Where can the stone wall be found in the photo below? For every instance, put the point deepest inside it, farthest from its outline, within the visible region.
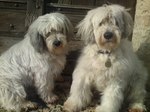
(141, 37)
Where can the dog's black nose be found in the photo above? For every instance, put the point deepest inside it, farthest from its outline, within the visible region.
(57, 43)
(108, 35)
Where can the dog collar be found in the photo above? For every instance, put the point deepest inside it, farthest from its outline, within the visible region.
(108, 61)
(103, 52)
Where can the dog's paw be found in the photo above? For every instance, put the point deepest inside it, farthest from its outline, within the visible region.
(137, 108)
(102, 109)
(66, 110)
(30, 106)
(68, 107)
(51, 99)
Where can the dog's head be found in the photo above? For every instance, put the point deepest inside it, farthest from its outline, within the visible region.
(106, 26)
(50, 32)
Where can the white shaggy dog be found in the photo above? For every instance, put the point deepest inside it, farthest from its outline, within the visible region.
(107, 63)
(35, 61)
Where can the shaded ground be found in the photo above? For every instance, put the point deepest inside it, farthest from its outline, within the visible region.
(62, 90)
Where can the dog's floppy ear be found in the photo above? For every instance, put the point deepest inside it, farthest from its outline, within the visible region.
(85, 29)
(37, 41)
(128, 24)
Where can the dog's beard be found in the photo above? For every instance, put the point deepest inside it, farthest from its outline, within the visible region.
(108, 44)
(60, 50)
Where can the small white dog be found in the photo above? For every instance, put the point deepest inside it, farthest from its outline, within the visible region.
(107, 63)
(35, 61)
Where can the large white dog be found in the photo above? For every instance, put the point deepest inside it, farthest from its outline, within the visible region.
(107, 63)
(35, 61)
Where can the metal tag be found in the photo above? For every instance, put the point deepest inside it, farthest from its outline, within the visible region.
(108, 63)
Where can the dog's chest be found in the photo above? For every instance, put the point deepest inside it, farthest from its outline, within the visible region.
(100, 62)
(101, 73)
(48, 65)
(102, 79)
(103, 76)
(56, 65)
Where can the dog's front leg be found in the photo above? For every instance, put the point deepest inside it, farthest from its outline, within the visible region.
(45, 85)
(80, 95)
(112, 99)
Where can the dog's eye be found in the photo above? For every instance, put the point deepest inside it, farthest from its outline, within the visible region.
(48, 34)
(100, 24)
(117, 23)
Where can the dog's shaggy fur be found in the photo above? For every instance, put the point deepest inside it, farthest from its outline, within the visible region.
(35, 61)
(107, 63)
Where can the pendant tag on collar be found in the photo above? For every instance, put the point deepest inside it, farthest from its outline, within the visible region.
(108, 63)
